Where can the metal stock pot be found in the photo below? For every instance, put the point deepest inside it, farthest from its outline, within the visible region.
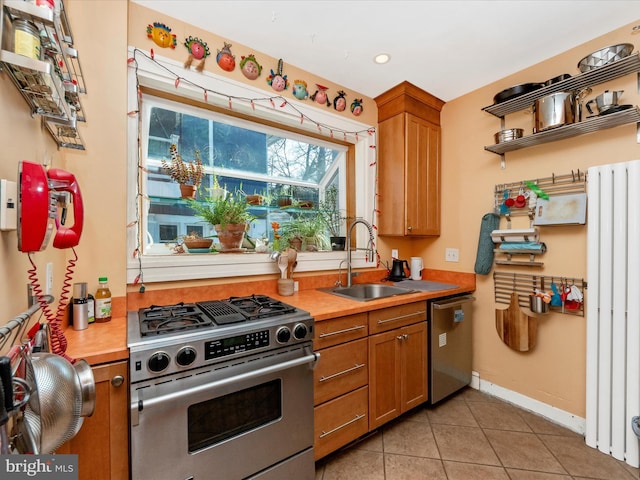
(554, 111)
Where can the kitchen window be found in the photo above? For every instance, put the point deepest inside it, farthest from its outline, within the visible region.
(238, 156)
(246, 148)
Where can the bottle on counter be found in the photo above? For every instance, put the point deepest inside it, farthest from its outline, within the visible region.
(91, 308)
(103, 302)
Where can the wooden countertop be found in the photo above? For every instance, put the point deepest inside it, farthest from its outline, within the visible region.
(107, 342)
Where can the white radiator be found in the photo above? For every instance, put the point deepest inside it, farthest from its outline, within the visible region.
(613, 309)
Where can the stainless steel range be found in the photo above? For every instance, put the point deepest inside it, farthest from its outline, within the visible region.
(222, 389)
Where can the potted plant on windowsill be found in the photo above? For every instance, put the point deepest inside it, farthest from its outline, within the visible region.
(188, 174)
(228, 215)
(332, 218)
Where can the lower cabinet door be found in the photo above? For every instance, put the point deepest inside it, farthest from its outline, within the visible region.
(340, 421)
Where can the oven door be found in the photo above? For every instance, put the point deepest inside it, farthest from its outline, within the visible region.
(230, 421)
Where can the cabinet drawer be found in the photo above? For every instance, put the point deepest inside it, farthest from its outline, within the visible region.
(340, 330)
(398, 316)
(340, 421)
(341, 369)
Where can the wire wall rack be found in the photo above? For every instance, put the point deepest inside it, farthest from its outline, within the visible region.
(565, 184)
(505, 283)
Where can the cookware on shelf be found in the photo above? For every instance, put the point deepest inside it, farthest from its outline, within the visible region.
(516, 91)
(558, 109)
(605, 101)
(557, 79)
(509, 134)
(605, 56)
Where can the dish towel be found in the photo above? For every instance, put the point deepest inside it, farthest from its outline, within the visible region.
(484, 256)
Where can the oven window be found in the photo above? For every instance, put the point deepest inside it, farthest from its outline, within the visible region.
(219, 419)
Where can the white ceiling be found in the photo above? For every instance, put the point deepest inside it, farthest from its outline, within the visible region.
(447, 48)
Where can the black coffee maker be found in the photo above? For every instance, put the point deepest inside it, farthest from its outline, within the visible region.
(397, 271)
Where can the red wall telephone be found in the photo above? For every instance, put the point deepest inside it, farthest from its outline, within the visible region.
(37, 208)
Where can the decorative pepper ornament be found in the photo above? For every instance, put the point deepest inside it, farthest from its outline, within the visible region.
(340, 102)
(278, 81)
(320, 95)
(356, 107)
(198, 50)
(225, 58)
(161, 35)
(299, 89)
(250, 67)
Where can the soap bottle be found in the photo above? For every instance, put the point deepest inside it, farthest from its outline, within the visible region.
(103, 302)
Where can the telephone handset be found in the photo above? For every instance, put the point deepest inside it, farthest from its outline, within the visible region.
(67, 237)
(37, 208)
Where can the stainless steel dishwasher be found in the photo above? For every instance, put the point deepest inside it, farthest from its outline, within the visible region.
(450, 348)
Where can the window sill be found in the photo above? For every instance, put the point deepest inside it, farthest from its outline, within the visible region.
(178, 267)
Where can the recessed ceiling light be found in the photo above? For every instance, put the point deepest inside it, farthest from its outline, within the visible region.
(382, 58)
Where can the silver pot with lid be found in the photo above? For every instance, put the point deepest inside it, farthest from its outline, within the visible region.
(557, 109)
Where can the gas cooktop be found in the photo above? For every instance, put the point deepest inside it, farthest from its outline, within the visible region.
(163, 319)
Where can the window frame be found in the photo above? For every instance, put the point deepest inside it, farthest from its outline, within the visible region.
(156, 75)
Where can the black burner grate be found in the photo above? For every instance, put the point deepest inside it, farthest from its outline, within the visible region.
(221, 312)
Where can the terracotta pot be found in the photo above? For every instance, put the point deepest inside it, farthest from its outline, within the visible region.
(199, 243)
(231, 236)
(296, 243)
(254, 199)
(187, 191)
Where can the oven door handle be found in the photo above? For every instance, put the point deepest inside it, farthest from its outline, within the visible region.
(138, 404)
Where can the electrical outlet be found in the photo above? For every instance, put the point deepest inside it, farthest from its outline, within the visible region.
(394, 253)
(49, 282)
(451, 255)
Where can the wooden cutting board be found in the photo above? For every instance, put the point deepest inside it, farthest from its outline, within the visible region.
(516, 329)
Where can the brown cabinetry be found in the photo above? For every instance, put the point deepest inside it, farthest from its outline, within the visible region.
(102, 444)
(409, 162)
(397, 372)
(372, 368)
(340, 382)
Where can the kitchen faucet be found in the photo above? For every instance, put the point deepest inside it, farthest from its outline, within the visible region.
(369, 249)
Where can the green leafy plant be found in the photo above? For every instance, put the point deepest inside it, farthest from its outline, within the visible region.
(185, 173)
(231, 209)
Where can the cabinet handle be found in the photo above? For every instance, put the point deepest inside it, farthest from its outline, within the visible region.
(337, 332)
(355, 367)
(393, 319)
(405, 336)
(399, 337)
(117, 380)
(409, 228)
(355, 419)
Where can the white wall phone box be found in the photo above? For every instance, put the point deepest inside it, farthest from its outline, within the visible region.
(8, 205)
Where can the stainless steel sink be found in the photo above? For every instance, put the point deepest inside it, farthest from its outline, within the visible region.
(363, 292)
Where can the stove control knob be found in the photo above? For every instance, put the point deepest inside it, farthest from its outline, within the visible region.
(186, 356)
(283, 335)
(300, 331)
(158, 362)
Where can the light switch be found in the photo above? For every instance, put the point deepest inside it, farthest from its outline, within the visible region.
(8, 205)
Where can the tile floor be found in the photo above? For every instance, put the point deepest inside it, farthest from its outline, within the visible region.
(472, 436)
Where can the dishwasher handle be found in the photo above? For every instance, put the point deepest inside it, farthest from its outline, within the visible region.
(452, 302)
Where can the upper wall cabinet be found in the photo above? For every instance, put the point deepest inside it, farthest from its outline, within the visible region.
(38, 55)
(408, 162)
(611, 71)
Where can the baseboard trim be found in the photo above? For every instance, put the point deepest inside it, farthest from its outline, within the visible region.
(553, 414)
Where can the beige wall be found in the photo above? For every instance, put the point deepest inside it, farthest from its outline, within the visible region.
(553, 373)
(100, 170)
